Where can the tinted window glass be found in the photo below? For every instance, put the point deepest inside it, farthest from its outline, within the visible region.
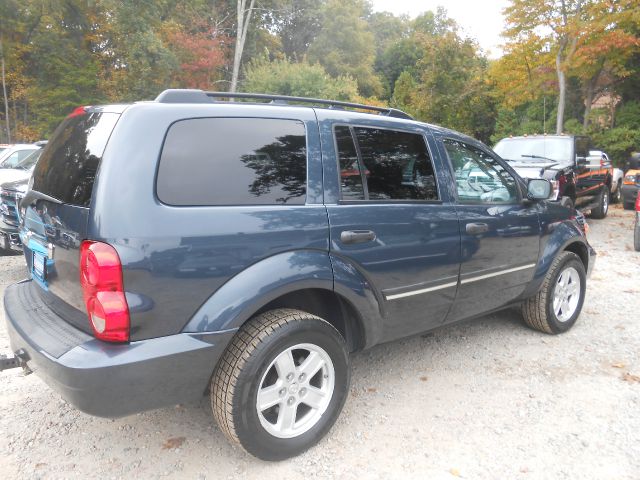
(68, 164)
(479, 177)
(233, 161)
(350, 177)
(397, 165)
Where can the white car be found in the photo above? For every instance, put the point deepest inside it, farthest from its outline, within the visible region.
(599, 159)
(21, 169)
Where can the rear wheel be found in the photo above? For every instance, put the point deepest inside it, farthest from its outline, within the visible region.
(567, 202)
(603, 204)
(281, 383)
(556, 307)
(616, 196)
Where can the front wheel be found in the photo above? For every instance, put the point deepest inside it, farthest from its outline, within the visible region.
(556, 307)
(603, 204)
(281, 383)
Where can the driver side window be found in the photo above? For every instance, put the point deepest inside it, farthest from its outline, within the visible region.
(479, 177)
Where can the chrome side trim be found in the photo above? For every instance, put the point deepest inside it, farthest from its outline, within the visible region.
(495, 274)
(422, 290)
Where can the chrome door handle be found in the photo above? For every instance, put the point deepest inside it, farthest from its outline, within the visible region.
(357, 236)
(476, 228)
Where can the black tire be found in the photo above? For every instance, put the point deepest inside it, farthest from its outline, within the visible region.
(248, 359)
(538, 310)
(616, 197)
(603, 204)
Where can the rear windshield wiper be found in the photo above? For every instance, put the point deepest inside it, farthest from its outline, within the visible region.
(35, 195)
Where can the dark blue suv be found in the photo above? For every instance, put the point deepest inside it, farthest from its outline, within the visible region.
(191, 244)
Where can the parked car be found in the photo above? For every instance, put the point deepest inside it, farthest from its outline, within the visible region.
(13, 155)
(562, 159)
(221, 250)
(22, 170)
(636, 228)
(596, 160)
(10, 195)
(630, 187)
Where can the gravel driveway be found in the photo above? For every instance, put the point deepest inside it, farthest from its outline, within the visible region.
(488, 399)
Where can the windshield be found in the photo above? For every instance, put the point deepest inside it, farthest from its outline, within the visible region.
(29, 162)
(536, 149)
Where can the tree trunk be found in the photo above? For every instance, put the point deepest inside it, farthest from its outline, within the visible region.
(4, 91)
(562, 90)
(244, 18)
(588, 101)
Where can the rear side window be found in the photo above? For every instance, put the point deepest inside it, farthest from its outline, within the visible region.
(350, 175)
(67, 167)
(396, 165)
(233, 161)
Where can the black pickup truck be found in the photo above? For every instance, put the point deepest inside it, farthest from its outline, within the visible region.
(561, 159)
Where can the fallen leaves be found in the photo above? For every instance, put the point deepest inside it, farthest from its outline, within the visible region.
(172, 443)
(618, 365)
(424, 378)
(455, 472)
(628, 377)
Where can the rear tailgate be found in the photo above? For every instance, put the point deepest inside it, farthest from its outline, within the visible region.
(56, 208)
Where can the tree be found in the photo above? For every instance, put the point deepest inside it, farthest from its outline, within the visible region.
(346, 46)
(244, 10)
(285, 77)
(561, 23)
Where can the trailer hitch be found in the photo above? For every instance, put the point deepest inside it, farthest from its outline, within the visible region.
(19, 361)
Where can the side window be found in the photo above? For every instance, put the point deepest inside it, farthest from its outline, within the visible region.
(12, 160)
(350, 177)
(479, 177)
(233, 161)
(396, 164)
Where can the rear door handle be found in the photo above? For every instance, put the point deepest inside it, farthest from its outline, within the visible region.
(357, 236)
(476, 228)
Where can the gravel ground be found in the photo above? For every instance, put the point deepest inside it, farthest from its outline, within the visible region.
(488, 399)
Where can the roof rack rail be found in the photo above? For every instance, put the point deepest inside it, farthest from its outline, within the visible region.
(200, 96)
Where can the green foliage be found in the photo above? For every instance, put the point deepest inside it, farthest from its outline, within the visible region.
(628, 115)
(618, 142)
(345, 45)
(297, 79)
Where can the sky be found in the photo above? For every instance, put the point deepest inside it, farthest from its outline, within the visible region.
(479, 19)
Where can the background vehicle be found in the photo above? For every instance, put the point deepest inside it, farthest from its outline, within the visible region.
(13, 155)
(561, 159)
(301, 265)
(21, 170)
(636, 228)
(10, 195)
(630, 188)
(598, 159)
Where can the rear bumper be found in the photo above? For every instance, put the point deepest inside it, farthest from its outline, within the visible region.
(110, 380)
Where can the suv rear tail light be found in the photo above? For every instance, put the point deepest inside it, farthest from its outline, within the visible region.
(638, 202)
(103, 291)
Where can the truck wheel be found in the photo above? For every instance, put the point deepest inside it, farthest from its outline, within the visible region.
(556, 307)
(281, 383)
(603, 204)
(616, 196)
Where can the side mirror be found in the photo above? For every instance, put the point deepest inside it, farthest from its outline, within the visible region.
(538, 189)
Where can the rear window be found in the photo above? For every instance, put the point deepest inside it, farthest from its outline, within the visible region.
(233, 161)
(67, 167)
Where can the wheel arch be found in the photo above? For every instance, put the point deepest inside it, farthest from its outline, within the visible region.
(307, 280)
